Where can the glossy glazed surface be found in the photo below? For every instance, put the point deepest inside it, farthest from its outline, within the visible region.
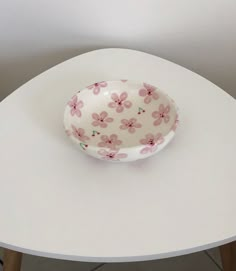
(120, 120)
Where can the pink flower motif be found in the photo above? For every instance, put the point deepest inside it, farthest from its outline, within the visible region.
(101, 119)
(75, 106)
(149, 92)
(79, 133)
(175, 124)
(130, 124)
(119, 102)
(151, 141)
(112, 155)
(123, 81)
(109, 141)
(162, 114)
(96, 87)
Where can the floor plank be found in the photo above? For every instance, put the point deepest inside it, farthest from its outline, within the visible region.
(194, 262)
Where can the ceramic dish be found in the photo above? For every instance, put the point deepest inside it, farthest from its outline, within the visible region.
(121, 120)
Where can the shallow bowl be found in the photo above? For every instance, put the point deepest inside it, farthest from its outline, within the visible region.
(121, 120)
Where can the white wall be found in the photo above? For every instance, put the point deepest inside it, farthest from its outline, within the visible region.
(198, 34)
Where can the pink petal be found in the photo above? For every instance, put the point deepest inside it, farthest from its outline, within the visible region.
(96, 90)
(74, 99)
(81, 131)
(133, 120)
(166, 119)
(103, 84)
(95, 116)
(112, 105)
(157, 122)
(72, 111)
(95, 123)
(137, 125)
(109, 120)
(143, 92)
(103, 124)
(123, 127)
(102, 144)
(167, 109)
(71, 103)
(103, 152)
(78, 113)
(155, 96)
(131, 130)
(143, 141)
(145, 150)
(121, 155)
(104, 138)
(123, 96)
(155, 114)
(147, 99)
(80, 104)
(124, 121)
(111, 146)
(113, 137)
(103, 114)
(117, 142)
(119, 109)
(150, 87)
(90, 87)
(161, 108)
(114, 97)
(146, 85)
(127, 104)
(113, 152)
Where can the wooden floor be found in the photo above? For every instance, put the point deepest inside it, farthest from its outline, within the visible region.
(209, 261)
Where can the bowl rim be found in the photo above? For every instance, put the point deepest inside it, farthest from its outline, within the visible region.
(170, 134)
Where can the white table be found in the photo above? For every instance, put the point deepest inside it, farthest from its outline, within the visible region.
(59, 203)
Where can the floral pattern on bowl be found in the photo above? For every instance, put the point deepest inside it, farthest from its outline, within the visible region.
(121, 120)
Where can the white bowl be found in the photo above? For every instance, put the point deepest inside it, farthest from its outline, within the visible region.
(121, 120)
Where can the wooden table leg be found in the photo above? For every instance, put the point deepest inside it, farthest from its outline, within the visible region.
(11, 260)
(228, 256)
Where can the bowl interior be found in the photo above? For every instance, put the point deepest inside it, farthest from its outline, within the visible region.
(123, 112)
